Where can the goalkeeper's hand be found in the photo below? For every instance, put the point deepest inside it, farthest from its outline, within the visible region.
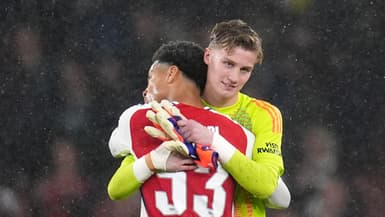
(164, 116)
(202, 155)
(163, 159)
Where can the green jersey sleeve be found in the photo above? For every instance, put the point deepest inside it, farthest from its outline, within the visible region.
(124, 182)
(258, 175)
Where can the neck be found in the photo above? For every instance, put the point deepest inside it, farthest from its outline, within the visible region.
(196, 102)
(188, 98)
(187, 94)
(217, 100)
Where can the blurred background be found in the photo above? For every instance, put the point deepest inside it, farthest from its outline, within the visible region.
(69, 68)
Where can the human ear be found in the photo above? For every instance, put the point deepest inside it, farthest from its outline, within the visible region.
(172, 72)
(206, 55)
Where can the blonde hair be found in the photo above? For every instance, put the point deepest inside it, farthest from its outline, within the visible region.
(236, 33)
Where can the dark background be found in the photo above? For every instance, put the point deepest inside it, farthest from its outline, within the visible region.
(69, 68)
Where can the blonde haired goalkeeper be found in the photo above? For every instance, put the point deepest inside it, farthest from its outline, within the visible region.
(233, 51)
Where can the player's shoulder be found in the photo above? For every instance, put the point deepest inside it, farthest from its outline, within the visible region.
(203, 113)
(224, 119)
(217, 113)
(259, 105)
(130, 111)
(265, 112)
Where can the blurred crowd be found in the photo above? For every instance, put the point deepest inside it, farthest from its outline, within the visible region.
(69, 68)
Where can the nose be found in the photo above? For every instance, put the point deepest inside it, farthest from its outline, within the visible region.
(144, 94)
(233, 76)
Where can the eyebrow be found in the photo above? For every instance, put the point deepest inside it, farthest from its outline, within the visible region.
(249, 68)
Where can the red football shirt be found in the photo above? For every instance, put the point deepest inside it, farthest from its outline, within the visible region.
(202, 192)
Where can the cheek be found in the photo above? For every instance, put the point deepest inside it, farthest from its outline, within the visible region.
(216, 71)
(219, 67)
(244, 78)
(212, 77)
(154, 92)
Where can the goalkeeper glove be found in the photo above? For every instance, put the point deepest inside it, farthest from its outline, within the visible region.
(164, 116)
(206, 156)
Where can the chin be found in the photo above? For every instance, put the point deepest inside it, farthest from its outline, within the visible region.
(229, 93)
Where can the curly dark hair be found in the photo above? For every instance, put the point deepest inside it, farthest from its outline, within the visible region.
(187, 56)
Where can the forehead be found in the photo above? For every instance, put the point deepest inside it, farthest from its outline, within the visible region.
(153, 66)
(156, 66)
(238, 55)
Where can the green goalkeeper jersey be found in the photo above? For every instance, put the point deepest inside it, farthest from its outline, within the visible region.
(257, 179)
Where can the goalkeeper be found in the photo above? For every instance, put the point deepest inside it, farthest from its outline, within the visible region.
(233, 51)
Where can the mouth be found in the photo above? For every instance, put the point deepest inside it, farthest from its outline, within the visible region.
(148, 98)
(228, 86)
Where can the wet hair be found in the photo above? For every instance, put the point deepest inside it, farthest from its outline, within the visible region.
(187, 56)
(236, 33)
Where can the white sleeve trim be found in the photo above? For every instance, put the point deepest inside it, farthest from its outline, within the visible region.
(118, 147)
(141, 170)
(280, 198)
(224, 148)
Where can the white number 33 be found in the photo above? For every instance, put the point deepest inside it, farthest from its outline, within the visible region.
(200, 202)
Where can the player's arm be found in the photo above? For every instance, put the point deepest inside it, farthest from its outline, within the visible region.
(244, 169)
(260, 174)
(124, 181)
(120, 140)
(258, 178)
(132, 173)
